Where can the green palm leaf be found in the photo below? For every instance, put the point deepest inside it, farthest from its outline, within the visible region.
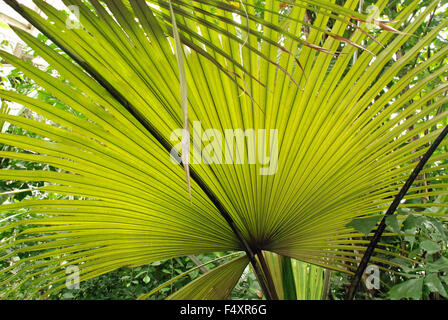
(341, 154)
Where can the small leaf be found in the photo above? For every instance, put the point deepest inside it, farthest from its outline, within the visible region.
(433, 283)
(68, 295)
(412, 222)
(364, 225)
(439, 227)
(409, 289)
(444, 279)
(409, 238)
(392, 223)
(440, 264)
(430, 246)
(146, 279)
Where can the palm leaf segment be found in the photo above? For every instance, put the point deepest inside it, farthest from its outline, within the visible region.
(341, 154)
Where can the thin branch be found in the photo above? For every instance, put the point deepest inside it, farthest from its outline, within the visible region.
(382, 226)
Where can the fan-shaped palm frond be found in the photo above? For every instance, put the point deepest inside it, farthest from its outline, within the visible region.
(329, 144)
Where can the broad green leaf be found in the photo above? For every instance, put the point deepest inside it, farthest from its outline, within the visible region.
(444, 279)
(364, 225)
(442, 230)
(409, 289)
(429, 246)
(413, 222)
(441, 264)
(392, 223)
(434, 284)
